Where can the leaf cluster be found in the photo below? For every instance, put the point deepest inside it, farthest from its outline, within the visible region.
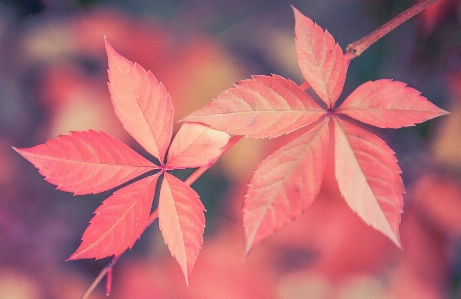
(283, 186)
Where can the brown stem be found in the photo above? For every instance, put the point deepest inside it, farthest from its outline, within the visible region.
(100, 276)
(108, 268)
(356, 48)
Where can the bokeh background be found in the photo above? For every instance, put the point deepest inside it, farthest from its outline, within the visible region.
(53, 80)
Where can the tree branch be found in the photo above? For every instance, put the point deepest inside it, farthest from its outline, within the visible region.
(356, 48)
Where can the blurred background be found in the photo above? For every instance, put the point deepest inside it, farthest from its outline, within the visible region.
(53, 80)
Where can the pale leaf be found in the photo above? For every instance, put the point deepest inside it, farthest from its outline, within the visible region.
(196, 145)
(181, 221)
(320, 59)
(388, 104)
(141, 103)
(285, 184)
(369, 178)
(260, 108)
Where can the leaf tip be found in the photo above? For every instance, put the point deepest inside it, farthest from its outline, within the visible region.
(107, 45)
(187, 280)
(246, 252)
(18, 150)
(80, 253)
(444, 112)
(26, 153)
(396, 240)
(73, 257)
(249, 243)
(295, 10)
(109, 49)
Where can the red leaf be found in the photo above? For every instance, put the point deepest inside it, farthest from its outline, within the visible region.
(369, 178)
(119, 221)
(388, 104)
(260, 108)
(86, 162)
(196, 145)
(181, 221)
(320, 59)
(285, 184)
(366, 168)
(141, 103)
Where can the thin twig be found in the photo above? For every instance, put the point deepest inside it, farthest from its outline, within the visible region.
(356, 48)
(100, 276)
(109, 280)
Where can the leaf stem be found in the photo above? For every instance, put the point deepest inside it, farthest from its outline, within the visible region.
(356, 48)
(108, 268)
(109, 281)
(100, 276)
(304, 85)
(196, 174)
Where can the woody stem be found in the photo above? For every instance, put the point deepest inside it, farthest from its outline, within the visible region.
(356, 48)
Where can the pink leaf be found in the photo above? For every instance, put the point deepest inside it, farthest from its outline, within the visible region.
(119, 221)
(369, 178)
(196, 145)
(86, 162)
(388, 104)
(141, 103)
(320, 59)
(285, 184)
(181, 221)
(260, 108)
